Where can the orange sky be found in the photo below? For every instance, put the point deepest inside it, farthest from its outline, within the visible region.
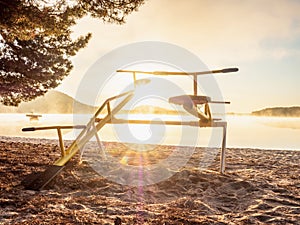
(262, 38)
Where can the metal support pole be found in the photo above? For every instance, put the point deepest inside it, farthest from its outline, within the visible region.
(108, 108)
(61, 142)
(195, 84)
(134, 79)
(223, 152)
(207, 111)
(99, 142)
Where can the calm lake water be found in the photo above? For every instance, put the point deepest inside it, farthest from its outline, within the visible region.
(243, 131)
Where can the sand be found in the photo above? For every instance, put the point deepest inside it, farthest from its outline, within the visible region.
(259, 187)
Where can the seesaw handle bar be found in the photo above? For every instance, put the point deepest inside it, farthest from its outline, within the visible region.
(53, 127)
(166, 73)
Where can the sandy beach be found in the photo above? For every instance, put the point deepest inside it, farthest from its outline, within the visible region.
(259, 187)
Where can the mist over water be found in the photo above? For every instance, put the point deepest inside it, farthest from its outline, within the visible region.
(243, 131)
(264, 132)
(12, 124)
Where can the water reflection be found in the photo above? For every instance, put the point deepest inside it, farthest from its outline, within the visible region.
(243, 131)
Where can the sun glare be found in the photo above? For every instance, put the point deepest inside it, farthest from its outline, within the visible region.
(121, 82)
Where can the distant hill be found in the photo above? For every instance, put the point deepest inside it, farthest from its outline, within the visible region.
(293, 111)
(52, 102)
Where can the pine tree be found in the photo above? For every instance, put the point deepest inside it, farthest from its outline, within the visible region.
(36, 43)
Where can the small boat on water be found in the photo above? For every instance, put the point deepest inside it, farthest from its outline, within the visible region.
(33, 116)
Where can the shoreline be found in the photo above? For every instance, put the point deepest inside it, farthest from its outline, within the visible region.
(243, 131)
(55, 141)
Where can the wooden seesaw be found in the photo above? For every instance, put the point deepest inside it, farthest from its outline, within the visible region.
(37, 181)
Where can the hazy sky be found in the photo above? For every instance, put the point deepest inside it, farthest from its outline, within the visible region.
(260, 37)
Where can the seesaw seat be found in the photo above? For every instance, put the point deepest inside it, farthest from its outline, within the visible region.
(188, 99)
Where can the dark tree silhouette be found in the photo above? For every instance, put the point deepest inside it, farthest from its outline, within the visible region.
(35, 42)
